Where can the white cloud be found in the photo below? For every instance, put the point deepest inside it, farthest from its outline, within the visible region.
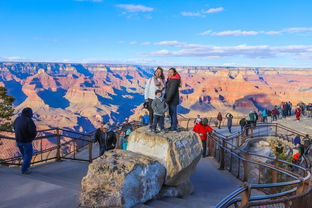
(135, 8)
(208, 51)
(253, 33)
(236, 33)
(191, 14)
(202, 13)
(133, 42)
(214, 10)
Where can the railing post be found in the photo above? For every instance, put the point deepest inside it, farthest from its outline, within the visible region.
(222, 162)
(209, 144)
(90, 148)
(251, 132)
(58, 142)
(245, 196)
(245, 164)
(300, 186)
(276, 129)
(275, 173)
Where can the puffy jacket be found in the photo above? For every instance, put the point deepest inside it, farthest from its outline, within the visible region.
(201, 129)
(24, 127)
(105, 139)
(172, 90)
(159, 107)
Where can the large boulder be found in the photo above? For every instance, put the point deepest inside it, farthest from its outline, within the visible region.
(178, 152)
(121, 179)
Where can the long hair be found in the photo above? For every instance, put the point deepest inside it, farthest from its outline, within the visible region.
(174, 70)
(162, 76)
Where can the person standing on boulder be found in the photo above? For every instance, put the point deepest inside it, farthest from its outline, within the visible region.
(202, 128)
(25, 132)
(154, 83)
(105, 138)
(160, 107)
(172, 96)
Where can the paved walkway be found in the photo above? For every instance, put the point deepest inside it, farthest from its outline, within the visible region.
(57, 184)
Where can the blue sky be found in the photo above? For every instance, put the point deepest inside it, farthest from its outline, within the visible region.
(158, 32)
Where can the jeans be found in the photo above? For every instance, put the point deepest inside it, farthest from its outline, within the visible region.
(204, 142)
(102, 150)
(151, 112)
(160, 120)
(173, 117)
(26, 150)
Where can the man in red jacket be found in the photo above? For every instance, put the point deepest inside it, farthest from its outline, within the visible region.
(202, 129)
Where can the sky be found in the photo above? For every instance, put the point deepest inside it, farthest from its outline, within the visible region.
(256, 33)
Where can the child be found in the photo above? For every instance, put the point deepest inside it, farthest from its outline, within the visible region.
(159, 107)
(202, 129)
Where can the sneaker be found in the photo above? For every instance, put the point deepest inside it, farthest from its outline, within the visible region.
(162, 131)
(27, 172)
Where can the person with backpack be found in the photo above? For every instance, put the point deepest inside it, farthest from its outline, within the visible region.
(202, 128)
(160, 107)
(105, 138)
(25, 132)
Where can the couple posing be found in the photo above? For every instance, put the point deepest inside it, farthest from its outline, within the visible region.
(162, 95)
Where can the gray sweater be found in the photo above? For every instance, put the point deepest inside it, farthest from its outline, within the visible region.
(159, 107)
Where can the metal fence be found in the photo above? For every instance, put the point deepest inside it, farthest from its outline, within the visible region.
(279, 183)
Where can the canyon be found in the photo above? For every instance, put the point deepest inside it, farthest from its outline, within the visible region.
(79, 96)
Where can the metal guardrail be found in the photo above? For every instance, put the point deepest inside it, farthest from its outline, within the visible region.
(225, 150)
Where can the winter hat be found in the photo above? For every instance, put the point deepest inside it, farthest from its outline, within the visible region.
(27, 112)
(205, 121)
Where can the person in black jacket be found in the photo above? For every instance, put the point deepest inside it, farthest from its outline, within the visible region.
(172, 96)
(105, 138)
(25, 133)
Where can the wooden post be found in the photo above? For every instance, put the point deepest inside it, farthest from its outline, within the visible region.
(222, 162)
(245, 164)
(300, 187)
(275, 174)
(90, 148)
(245, 196)
(58, 150)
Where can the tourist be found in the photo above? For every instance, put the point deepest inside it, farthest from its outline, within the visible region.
(264, 115)
(202, 128)
(243, 123)
(105, 138)
(297, 141)
(159, 107)
(229, 118)
(145, 119)
(25, 132)
(256, 118)
(274, 114)
(296, 156)
(298, 113)
(156, 82)
(172, 96)
(197, 120)
(219, 118)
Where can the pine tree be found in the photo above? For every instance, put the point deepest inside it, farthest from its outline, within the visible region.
(6, 110)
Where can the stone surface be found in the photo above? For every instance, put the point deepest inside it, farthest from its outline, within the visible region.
(181, 190)
(178, 152)
(121, 179)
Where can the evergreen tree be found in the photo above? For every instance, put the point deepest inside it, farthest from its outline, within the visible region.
(6, 110)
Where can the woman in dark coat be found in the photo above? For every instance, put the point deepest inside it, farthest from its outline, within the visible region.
(172, 96)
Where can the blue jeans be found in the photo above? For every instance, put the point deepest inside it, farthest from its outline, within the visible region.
(158, 120)
(102, 150)
(204, 142)
(173, 117)
(26, 150)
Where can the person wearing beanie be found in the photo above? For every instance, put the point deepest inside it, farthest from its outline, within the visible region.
(105, 138)
(25, 132)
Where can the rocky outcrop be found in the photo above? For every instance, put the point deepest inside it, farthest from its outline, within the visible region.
(121, 179)
(179, 152)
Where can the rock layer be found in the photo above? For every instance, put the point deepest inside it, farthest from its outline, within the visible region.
(121, 179)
